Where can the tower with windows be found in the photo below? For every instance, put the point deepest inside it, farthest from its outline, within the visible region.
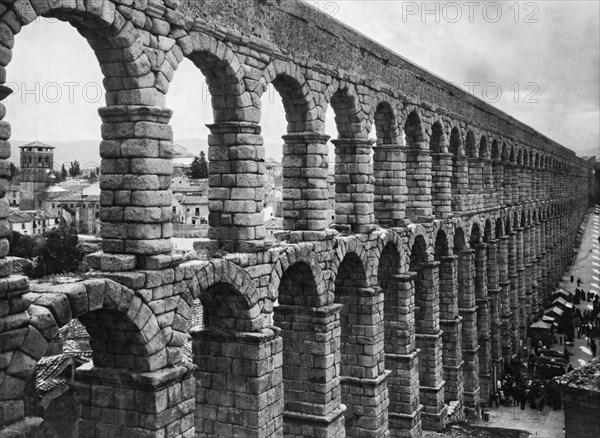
(37, 161)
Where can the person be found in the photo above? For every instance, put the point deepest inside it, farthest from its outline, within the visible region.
(569, 368)
(593, 347)
(579, 282)
(572, 277)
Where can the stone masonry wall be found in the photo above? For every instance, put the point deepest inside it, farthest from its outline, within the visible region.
(352, 350)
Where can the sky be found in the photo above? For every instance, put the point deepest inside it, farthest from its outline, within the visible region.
(537, 61)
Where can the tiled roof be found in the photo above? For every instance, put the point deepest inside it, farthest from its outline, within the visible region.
(49, 370)
(192, 200)
(36, 144)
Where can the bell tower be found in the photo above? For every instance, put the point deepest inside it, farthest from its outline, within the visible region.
(37, 162)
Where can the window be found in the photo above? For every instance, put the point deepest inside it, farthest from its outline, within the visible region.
(174, 209)
(22, 226)
(197, 210)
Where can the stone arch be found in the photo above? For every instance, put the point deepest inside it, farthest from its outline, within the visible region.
(385, 238)
(484, 150)
(345, 246)
(291, 257)
(441, 247)
(386, 122)
(414, 131)
(496, 151)
(228, 295)
(124, 331)
(488, 232)
(224, 76)
(349, 117)
(499, 230)
(437, 142)
(297, 97)
(470, 145)
(475, 235)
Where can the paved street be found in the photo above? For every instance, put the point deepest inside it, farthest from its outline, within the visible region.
(550, 423)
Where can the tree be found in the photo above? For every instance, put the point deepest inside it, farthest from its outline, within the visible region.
(63, 173)
(199, 167)
(14, 170)
(74, 170)
(58, 254)
(21, 245)
(203, 165)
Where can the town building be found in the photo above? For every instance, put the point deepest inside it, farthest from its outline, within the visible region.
(37, 161)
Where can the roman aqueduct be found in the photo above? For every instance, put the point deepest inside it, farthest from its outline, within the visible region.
(451, 229)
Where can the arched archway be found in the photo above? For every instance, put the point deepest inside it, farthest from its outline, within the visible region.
(459, 182)
(418, 167)
(428, 335)
(362, 358)
(305, 166)
(353, 183)
(310, 355)
(450, 322)
(441, 172)
(467, 310)
(389, 162)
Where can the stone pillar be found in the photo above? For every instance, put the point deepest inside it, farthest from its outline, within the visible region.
(354, 184)
(21, 345)
(522, 185)
(513, 278)
(488, 182)
(239, 383)
(483, 322)
(505, 309)
(521, 284)
(235, 199)
(118, 402)
(389, 168)
(364, 379)
(305, 185)
(429, 344)
(468, 311)
(311, 362)
(135, 178)
(441, 191)
(528, 251)
(401, 356)
(476, 183)
(499, 188)
(5, 227)
(540, 251)
(514, 169)
(418, 181)
(493, 288)
(461, 183)
(451, 325)
(508, 184)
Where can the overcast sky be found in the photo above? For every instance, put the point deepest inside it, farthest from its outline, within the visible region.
(538, 61)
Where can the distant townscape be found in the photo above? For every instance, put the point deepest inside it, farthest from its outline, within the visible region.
(43, 195)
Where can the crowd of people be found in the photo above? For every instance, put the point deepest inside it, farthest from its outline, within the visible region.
(523, 389)
(587, 323)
